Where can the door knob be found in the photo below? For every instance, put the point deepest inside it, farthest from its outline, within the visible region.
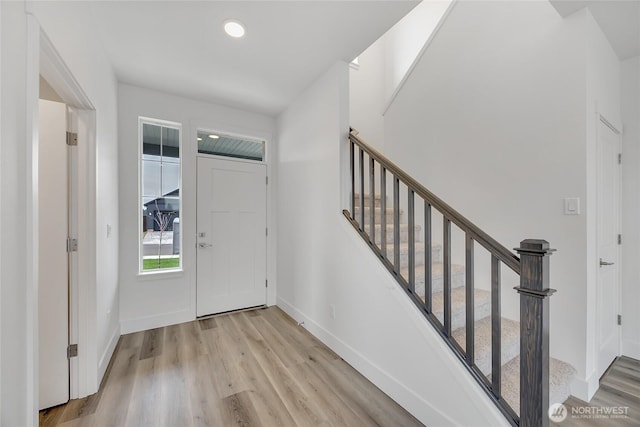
(204, 245)
(605, 263)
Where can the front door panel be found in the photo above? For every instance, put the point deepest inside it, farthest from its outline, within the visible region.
(231, 243)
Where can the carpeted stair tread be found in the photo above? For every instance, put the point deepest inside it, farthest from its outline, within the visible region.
(482, 305)
(377, 213)
(560, 376)
(404, 232)
(457, 277)
(367, 200)
(419, 253)
(482, 344)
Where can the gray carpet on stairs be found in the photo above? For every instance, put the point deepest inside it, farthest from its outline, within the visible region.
(482, 306)
(560, 375)
(482, 339)
(457, 277)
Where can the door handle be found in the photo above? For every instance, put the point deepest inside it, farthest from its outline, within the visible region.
(605, 263)
(204, 245)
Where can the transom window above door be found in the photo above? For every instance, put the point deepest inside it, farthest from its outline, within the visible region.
(219, 144)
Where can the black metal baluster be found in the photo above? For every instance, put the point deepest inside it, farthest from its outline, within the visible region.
(412, 241)
(353, 178)
(428, 257)
(446, 225)
(372, 197)
(361, 195)
(469, 302)
(396, 224)
(383, 208)
(496, 327)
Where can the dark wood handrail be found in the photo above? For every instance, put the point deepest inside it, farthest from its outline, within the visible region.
(494, 247)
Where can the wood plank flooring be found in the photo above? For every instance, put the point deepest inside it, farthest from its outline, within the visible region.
(255, 368)
(619, 388)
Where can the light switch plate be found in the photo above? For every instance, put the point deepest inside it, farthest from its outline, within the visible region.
(572, 206)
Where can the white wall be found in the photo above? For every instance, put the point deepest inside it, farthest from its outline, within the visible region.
(406, 39)
(13, 249)
(93, 72)
(323, 262)
(631, 207)
(384, 65)
(508, 108)
(366, 94)
(154, 300)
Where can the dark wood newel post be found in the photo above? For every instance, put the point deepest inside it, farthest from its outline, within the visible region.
(534, 332)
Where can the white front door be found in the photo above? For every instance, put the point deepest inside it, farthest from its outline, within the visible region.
(231, 241)
(608, 293)
(53, 282)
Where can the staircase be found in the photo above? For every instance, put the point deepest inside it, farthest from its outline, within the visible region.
(450, 294)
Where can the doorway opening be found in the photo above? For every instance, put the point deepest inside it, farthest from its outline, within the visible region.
(55, 196)
(45, 63)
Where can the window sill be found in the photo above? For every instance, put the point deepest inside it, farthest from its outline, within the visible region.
(163, 274)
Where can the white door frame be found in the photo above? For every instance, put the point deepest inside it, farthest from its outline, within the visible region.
(43, 59)
(602, 119)
(190, 180)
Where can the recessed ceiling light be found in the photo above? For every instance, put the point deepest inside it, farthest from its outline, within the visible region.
(234, 28)
(214, 136)
(199, 139)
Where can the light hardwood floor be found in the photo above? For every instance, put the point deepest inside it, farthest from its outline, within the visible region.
(619, 388)
(254, 368)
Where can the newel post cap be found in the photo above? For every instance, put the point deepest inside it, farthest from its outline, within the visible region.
(535, 247)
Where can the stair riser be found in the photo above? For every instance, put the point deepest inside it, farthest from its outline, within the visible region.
(377, 216)
(510, 349)
(509, 342)
(560, 378)
(459, 317)
(419, 254)
(404, 234)
(367, 201)
(457, 280)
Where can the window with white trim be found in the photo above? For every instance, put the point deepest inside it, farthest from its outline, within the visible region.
(160, 198)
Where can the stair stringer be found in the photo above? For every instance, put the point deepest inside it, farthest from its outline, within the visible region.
(405, 356)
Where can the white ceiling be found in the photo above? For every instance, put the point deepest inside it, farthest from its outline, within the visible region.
(179, 46)
(619, 20)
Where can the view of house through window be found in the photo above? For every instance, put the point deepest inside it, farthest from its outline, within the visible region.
(160, 195)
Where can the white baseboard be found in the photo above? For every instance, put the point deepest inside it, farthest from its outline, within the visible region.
(108, 353)
(411, 401)
(631, 349)
(584, 389)
(156, 321)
